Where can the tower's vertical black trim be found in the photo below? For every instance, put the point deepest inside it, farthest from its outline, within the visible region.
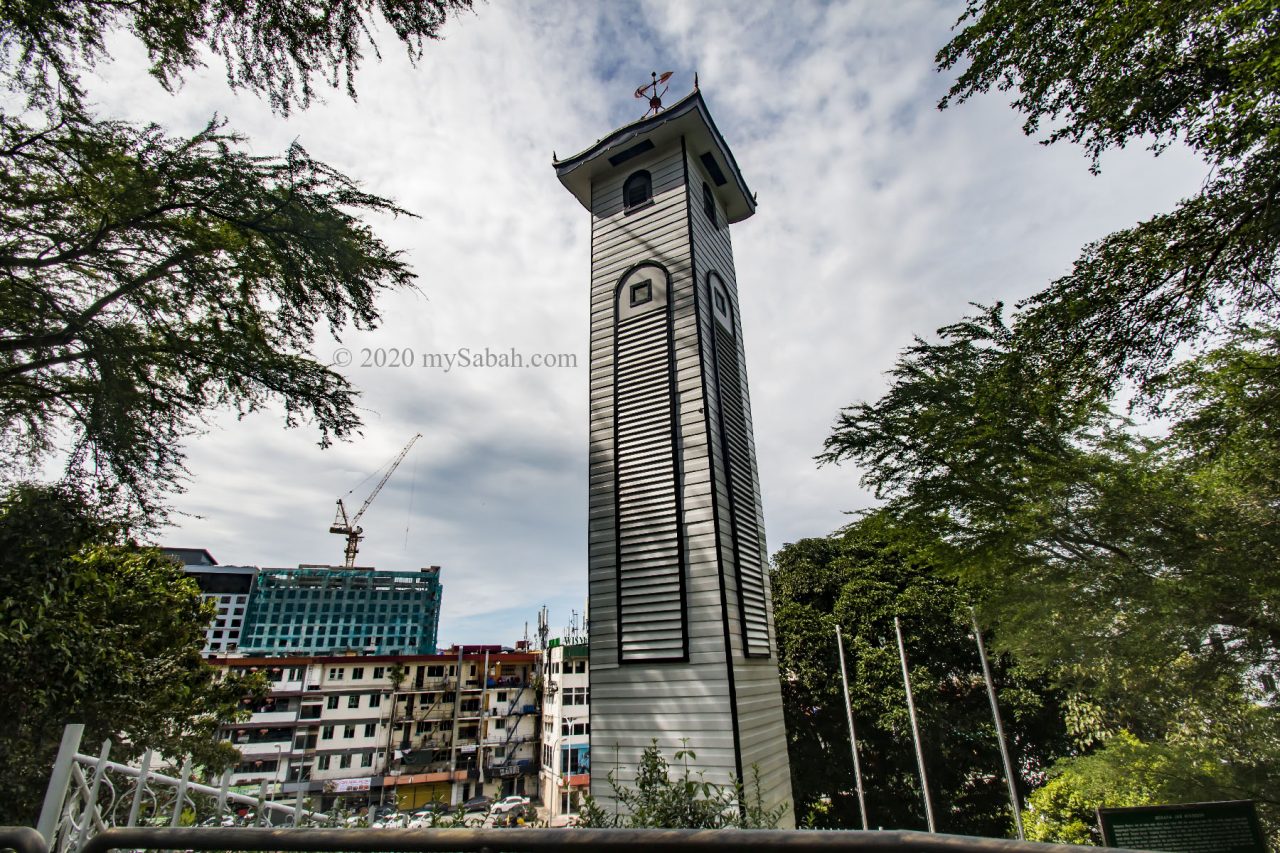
(677, 468)
(698, 301)
(725, 342)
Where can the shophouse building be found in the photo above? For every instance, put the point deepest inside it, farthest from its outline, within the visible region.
(390, 729)
(565, 773)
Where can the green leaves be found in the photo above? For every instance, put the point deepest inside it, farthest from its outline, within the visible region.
(151, 278)
(861, 578)
(274, 48)
(1102, 72)
(101, 633)
(657, 801)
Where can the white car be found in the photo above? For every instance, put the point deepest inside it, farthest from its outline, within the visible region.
(506, 804)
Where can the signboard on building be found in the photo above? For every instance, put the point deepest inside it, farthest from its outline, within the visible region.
(1226, 827)
(346, 786)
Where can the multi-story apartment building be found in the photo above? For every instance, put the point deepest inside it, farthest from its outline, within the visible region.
(406, 729)
(228, 586)
(566, 729)
(325, 610)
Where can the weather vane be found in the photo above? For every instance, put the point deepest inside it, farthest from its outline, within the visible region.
(650, 91)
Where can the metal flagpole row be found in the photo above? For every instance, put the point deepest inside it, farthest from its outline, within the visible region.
(995, 713)
(853, 736)
(915, 727)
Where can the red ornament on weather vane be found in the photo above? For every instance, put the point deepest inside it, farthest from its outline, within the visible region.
(650, 91)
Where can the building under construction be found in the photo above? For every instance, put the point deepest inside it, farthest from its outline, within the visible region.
(322, 610)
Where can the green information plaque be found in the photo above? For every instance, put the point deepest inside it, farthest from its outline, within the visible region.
(1227, 827)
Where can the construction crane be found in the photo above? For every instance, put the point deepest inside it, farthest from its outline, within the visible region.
(349, 528)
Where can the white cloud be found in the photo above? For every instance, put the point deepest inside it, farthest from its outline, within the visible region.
(879, 218)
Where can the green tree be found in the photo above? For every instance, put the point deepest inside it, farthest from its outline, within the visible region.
(1102, 75)
(150, 278)
(860, 579)
(1135, 564)
(274, 48)
(1133, 568)
(96, 631)
(1128, 772)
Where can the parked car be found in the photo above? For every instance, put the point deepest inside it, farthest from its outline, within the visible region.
(506, 804)
(477, 804)
(431, 808)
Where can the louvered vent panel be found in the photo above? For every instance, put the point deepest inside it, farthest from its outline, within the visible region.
(748, 553)
(650, 595)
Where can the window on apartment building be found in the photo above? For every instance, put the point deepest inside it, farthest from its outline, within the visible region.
(327, 732)
(502, 696)
(336, 672)
(366, 759)
(437, 671)
(332, 703)
(580, 667)
(344, 761)
(370, 729)
(375, 699)
(353, 701)
(348, 731)
(322, 762)
(423, 727)
(379, 671)
(358, 672)
(499, 723)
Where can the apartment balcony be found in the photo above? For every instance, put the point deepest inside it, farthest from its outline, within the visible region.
(258, 749)
(266, 718)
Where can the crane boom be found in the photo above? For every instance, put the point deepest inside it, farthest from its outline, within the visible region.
(349, 528)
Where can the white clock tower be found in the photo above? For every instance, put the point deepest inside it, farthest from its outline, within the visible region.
(682, 639)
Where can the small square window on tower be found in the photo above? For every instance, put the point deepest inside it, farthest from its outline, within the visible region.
(641, 292)
(720, 303)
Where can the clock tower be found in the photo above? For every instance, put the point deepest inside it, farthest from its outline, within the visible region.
(682, 639)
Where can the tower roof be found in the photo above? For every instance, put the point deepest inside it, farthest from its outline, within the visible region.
(687, 117)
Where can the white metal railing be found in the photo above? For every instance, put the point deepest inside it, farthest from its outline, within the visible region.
(88, 794)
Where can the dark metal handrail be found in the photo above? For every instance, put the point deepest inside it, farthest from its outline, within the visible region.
(545, 841)
(24, 839)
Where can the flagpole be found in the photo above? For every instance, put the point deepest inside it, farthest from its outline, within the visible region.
(853, 736)
(995, 714)
(915, 727)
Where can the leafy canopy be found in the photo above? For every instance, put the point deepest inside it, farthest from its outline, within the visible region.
(97, 631)
(151, 278)
(860, 579)
(1137, 565)
(1104, 74)
(275, 48)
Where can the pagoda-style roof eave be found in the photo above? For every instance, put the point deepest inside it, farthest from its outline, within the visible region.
(688, 116)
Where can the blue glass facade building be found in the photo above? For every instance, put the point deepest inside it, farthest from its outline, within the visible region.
(319, 610)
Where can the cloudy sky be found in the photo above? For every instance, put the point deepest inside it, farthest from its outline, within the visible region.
(879, 218)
